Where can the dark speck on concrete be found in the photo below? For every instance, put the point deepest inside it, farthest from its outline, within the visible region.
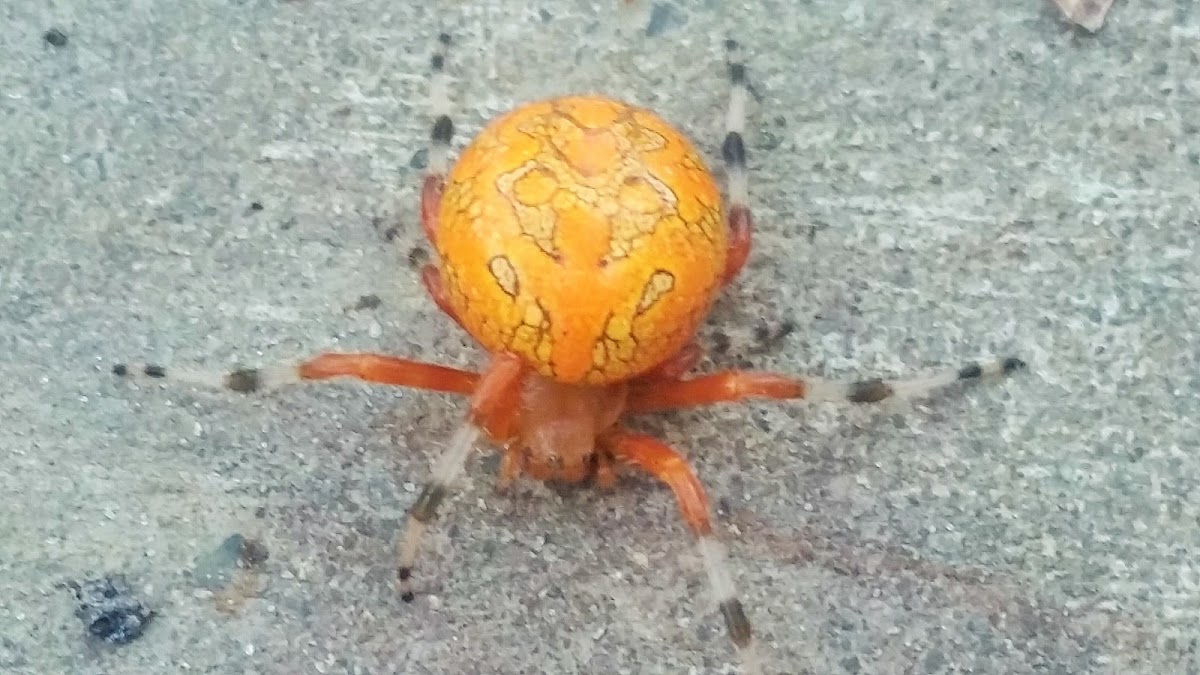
(55, 37)
(253, 554)
(767, 337)
(417, 257)
(109, 610)
(370, 301)
(664, 17)
(721, 343)
(420, 159)
(545, 16)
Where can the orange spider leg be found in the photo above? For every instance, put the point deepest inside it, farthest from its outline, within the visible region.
(737, 385)
(741, 225)
(377, 368)
(431, 201)
(432, 280)
(492, 411)
(720, 387)
(495, 400)
(659, 460)
(389, 370)
(440, 136)
(499, 424)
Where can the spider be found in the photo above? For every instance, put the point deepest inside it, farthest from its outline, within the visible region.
(581, 241)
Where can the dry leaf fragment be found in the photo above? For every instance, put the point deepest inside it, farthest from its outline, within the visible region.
(1086, 13)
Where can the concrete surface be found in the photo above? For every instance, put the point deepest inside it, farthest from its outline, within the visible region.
(934, 182)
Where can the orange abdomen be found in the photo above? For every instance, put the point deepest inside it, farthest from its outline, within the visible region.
(584, 235)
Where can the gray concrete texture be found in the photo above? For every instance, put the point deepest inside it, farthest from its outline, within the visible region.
(934, 182)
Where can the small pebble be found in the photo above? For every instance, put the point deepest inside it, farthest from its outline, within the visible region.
(109, 610)
(55, 37)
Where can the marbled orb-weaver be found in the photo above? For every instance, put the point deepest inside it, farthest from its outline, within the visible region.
(581, 241)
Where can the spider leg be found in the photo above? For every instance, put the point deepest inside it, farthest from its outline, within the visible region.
(440, 136)
(368, 367)
(432, 280)
(738, 220)
(494, 401)
(737, 385)
(661, 461)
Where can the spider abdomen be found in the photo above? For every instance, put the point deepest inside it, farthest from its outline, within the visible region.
(584, 235)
